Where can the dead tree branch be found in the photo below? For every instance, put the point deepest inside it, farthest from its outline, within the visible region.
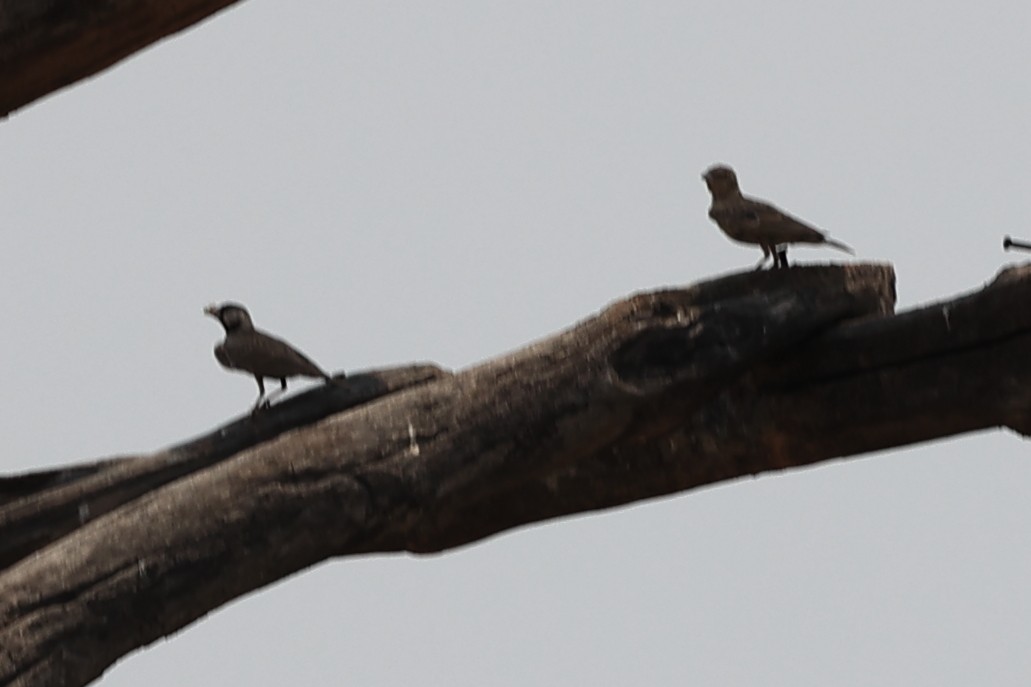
(46, 45)
(657, 394)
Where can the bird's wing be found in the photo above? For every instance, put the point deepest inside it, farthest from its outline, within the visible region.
(265, 355)
(223, 356)
(777, 225)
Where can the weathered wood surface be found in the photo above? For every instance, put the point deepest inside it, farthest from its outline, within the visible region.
(657, 394)
(46, 45)
(39, 508)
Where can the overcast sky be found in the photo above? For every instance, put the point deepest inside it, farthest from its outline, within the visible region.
(389, 182)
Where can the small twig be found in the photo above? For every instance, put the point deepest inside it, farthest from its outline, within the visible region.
(1008, 243)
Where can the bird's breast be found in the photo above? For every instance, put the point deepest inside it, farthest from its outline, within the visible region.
(223, 357)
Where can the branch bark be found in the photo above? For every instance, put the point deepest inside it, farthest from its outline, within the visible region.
(46, 45)
(657, 394)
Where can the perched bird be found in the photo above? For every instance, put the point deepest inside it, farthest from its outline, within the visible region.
(750, 220)
(252, 350)
(1008, 243)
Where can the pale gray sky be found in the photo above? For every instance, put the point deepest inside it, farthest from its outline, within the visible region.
(391, 182)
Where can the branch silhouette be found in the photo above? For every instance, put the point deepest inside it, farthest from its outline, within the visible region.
(48, 45)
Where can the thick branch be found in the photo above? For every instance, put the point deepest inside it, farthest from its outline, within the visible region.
(657, 394)
(42, 507)
(46, 45)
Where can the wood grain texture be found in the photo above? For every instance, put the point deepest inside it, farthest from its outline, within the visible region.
(46, 45)
(39, 508)
(657, 394)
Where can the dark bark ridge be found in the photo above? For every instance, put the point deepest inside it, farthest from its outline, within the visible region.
(657, 394)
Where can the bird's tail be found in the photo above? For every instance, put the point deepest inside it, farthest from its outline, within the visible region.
(338, 379)
(839, 245)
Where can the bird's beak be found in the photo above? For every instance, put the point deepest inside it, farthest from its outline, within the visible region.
(211, 310)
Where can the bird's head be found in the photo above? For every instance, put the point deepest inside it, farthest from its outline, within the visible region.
(233, 316)
(721, 180)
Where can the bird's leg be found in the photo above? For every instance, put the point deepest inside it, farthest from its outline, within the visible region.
(260, 403)
(766, 256)
(278, 392)
(780, 256)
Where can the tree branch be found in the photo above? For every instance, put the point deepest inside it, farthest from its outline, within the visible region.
(657, 394)
(42, 507)
(46, 45)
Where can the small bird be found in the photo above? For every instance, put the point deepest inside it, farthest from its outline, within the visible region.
(1008, 243)
(750, 220)
(252, 350)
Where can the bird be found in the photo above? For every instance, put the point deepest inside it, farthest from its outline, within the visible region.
(248, 349)
(750, 220)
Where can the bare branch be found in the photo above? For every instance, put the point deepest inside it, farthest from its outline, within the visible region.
(41, 507)
(657, 394)
(46, 45)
